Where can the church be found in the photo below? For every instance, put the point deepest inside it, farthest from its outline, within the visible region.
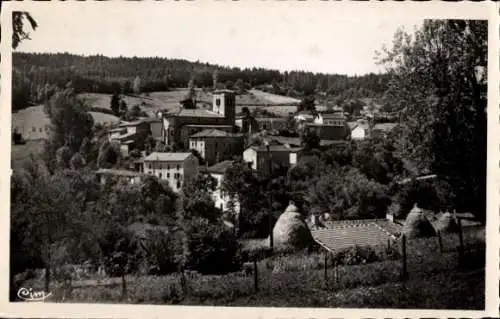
(179, 126)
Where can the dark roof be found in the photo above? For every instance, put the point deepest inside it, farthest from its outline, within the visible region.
(167, 156)
(197, 113)
(386, 127)
(118, 172)
(333, 115)
(276, 148)
(215, 133)
(277, 119)
(220, 167)
(223, 91)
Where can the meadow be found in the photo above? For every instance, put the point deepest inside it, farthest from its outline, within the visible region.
(298, 280)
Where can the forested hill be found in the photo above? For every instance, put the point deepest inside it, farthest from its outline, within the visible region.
(33, 72)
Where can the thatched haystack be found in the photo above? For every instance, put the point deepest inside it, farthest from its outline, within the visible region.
(417, 225)
(447, 223)
(291, 231)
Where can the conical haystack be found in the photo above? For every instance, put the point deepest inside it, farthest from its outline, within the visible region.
(291, 231)
(417, 225)
(447, 223)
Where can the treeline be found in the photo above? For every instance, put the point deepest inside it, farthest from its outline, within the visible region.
(100, 74)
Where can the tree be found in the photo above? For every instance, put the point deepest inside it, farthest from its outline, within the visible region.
(438, 86)
(18, 32)
(77, 161)
(63, 156)
(123, 106)
(115, 104)
(71, 123)
(240, 86)
(109, 155)
(137, 85)
(215, 77)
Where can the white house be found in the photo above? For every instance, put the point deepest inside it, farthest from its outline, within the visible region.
(223, 202)
(259, 157)
(176, 168)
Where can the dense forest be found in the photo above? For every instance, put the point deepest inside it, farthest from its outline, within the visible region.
(35, 73)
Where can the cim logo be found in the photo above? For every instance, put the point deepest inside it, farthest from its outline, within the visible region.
(30, 295)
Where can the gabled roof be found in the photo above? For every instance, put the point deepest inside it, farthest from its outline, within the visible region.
(167, 157)
(118, 172)
(214, 133)
(220, 168)
(386, 127)
(336, 115)
(197, 113)
(276, 148)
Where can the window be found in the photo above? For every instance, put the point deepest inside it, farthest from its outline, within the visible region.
(168, 175)
(178, 167)
(178, 184)
(217, 102)
(168, 166)
(40, 129)
(159, 175)
(34, 129)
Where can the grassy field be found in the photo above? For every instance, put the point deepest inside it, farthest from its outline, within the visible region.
(297, 280)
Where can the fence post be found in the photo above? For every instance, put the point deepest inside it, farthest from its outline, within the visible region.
(337, 280)
(326, 268)
(404, 273)
(461, 242)
(255, 276)
(388, 244)
(440, 241)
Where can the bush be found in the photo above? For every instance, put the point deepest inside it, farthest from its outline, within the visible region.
(213, 248)
(356, 255)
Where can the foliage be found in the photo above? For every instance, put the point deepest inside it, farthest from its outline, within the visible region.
(115, 104)
(437, 87)
(120, 251)
(77, 161)
(19, 33)
(99, 74)
(213, 248)
(63, 156)
(109, 155)
(70, 123)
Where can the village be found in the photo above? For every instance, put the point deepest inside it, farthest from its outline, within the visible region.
(167, 181)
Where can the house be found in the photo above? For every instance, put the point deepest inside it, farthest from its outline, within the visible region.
(176, 168)
(131, 177)
(178, 126)
(360, 132)
(260, 157)
(130, 135)
(216, 145)
(223, 202)
(332, 132)
(337, 119)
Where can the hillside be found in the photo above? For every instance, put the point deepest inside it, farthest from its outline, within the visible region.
(98, 74)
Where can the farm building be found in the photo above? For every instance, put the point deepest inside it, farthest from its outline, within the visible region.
(175, 168)
(216, 145)
(178, 126)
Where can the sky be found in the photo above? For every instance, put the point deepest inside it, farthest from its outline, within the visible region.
(283, 36)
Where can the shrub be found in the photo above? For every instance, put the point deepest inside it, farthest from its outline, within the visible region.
(213, 248)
